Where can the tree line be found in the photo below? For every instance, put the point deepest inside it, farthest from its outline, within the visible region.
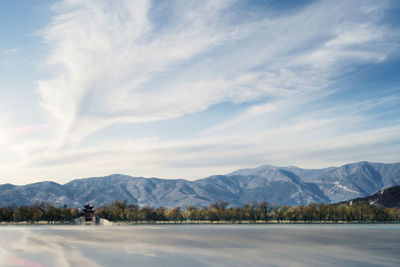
(219, 212)
(253, 212)
(38, 212)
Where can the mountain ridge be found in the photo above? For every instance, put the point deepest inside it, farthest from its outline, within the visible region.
(387, 198)
(281, 185)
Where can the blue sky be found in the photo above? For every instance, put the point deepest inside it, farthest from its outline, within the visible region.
(187, 89)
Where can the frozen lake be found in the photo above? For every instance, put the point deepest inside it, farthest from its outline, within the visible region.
(201, 245)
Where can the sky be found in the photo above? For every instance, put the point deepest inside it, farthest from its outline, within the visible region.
(188, 89)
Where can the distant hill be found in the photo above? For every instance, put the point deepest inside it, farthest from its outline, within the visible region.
(280, 185)
(388, 198)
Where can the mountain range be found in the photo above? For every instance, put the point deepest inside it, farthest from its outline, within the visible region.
(279, 185)
(388, 198)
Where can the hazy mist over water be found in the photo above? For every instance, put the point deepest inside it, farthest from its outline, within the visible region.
(201, 245)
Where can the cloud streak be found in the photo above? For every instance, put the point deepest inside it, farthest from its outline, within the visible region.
(105, 67)
(141, 62)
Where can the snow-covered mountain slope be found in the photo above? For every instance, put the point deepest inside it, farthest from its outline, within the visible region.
(280, 185)
(354, 180)
(340, 183)
(388, 198)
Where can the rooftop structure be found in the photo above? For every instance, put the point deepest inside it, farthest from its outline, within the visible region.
(88, 213)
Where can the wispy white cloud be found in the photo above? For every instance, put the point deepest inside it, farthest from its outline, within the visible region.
(140, 61)
(107, 54)
(9, 52)
(18, 131)
(109, 58)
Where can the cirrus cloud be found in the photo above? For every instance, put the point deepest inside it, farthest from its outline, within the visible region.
(137, 62)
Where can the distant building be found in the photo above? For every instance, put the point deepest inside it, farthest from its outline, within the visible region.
(88, 214)
(88, 217)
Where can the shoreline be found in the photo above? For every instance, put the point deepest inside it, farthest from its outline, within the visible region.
(160, 223)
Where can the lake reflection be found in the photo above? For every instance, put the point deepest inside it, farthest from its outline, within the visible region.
(201, 245)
